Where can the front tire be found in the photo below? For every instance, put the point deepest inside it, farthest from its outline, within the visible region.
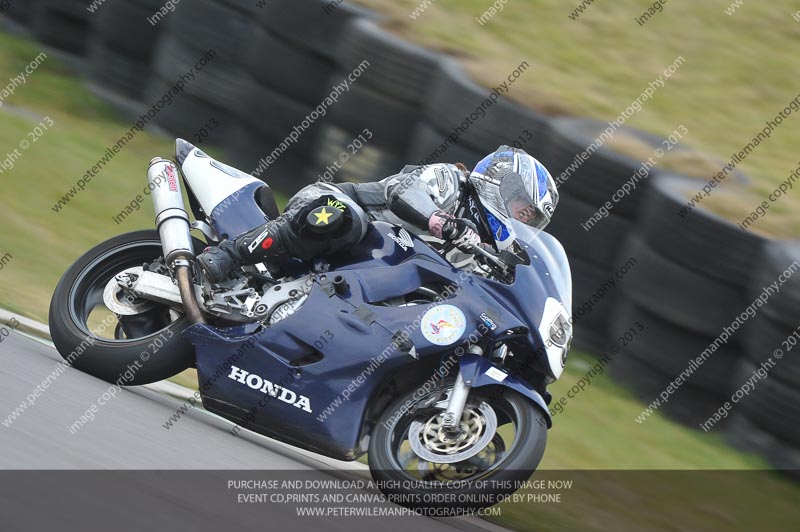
(129, 350)
(511, 456)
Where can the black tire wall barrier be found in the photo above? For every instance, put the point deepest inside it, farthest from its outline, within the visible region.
(291, 21)
(699, 240)
(124, 27)
(457, 106)
(684, 294)
(766, 421)
(22, 12)
(116, 71)
(63, 24)
(279, 65)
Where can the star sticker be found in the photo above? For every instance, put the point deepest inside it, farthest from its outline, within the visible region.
(323, 216)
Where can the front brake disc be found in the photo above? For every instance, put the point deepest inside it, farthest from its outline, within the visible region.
(430, 441)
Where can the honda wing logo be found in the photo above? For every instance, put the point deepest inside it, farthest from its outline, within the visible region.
(403, 239)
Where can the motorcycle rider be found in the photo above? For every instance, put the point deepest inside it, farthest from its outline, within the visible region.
(440, 202)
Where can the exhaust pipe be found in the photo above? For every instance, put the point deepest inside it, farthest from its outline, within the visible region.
(174, 228)
(172, 221)
(183, 274)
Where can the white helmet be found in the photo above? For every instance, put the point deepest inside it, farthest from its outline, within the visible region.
(515, 185)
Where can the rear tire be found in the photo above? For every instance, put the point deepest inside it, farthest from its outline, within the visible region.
(155, 351)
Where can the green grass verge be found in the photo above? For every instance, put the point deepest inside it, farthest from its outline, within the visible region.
(44, 243)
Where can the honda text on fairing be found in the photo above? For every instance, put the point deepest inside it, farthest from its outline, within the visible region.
(385, 348)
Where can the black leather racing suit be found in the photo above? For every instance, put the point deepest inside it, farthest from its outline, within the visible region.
(408, 199)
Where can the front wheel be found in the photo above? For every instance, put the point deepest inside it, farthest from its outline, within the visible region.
(136, 342)
(421, 465)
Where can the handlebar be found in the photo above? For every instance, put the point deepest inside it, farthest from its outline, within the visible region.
(499, 266)
(493, 260)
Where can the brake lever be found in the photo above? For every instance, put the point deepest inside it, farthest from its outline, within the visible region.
(500, 267)
(497, 261)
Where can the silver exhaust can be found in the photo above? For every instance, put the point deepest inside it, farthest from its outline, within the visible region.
(172, 220)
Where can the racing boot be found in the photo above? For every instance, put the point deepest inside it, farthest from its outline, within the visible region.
(266, 243)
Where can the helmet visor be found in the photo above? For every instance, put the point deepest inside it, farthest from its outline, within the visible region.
(519, 203)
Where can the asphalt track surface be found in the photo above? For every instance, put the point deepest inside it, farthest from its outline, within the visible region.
(45, 485)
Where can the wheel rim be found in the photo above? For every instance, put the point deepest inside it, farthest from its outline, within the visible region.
(489, 451)
(433, 442)
(87, 307)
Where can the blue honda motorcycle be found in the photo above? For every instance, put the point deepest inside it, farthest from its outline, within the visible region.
(439, 374)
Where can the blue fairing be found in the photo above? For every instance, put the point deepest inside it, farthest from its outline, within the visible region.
(477, 370)
(318, 354)
(239, 213)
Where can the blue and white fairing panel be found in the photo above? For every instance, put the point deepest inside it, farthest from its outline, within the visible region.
(225, 193)
(555, 324)
(554, 257)
(212, 181)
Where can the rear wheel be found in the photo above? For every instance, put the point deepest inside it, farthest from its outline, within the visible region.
(134, 342)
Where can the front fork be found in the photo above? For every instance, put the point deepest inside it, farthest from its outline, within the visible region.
(456, 403)
(459, 395)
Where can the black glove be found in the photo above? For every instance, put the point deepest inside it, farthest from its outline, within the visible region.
(461, 232)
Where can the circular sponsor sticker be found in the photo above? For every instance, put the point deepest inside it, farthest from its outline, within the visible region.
(443, 325)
